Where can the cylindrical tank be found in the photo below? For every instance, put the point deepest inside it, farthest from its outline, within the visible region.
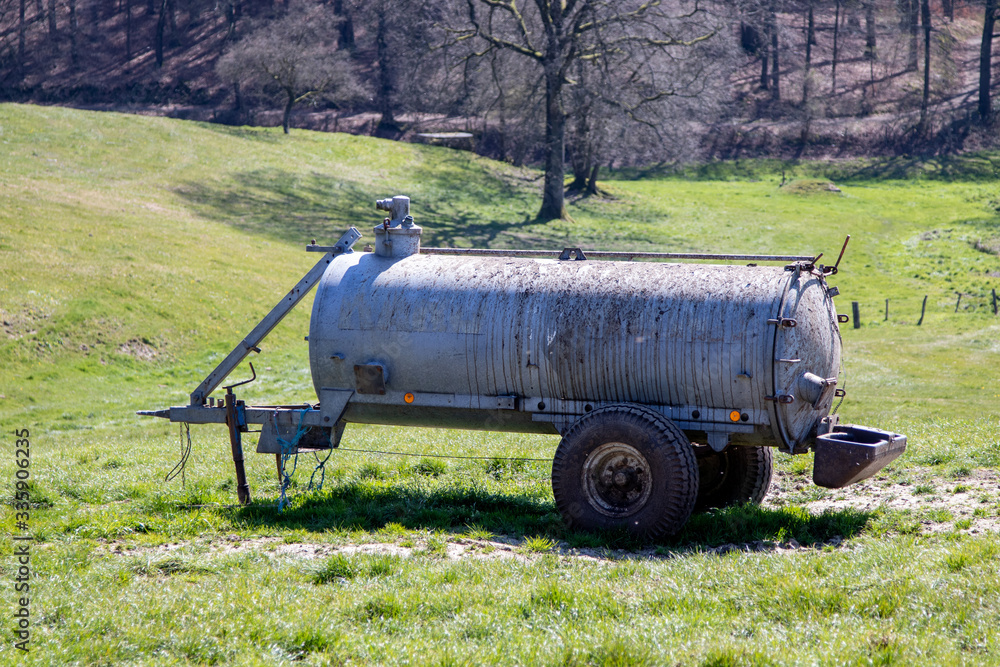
(722, 346)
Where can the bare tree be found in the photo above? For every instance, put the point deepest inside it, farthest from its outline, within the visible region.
(925, 20)
(985, 106)
(833, 57)
(22, 30)
(909, 21)
(292, 58)
(552, 35)
(346, 27)
(775, 50)
(871, 39)
(161, 28)
(50, 14)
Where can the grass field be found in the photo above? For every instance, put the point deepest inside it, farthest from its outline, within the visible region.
(136, 252)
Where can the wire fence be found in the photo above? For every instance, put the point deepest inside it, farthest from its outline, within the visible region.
(915, 311)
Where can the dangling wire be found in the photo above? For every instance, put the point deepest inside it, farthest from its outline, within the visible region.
(287, 449)
(320, 469)
(185, 453)
(843, 369)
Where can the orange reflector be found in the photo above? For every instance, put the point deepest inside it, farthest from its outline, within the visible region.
(409, 399)
(734, 416)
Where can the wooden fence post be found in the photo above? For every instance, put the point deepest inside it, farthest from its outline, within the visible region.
(857, 314)
(887, 310)
(994, 300)
(959, 302)
(923, 308)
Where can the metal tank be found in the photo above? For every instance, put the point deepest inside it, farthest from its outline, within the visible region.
(751, 351)
(670, 383)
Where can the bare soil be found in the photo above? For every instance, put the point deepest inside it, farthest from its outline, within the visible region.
(960, 498)
(940, 506)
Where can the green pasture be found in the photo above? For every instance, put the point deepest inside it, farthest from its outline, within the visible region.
(135, 252)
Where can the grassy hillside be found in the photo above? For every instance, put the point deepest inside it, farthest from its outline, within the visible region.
(135, 252)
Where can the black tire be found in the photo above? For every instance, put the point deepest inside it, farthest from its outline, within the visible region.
(734, 476)
(625, 467)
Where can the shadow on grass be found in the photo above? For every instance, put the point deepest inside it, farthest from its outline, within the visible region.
(968, 167)
(947, 168)
(452, 201)
(283, 205)
(362, 506)
(259, 134)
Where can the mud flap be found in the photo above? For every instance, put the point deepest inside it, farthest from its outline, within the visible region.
(852, 453)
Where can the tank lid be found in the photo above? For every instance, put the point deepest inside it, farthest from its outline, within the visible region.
(398, 208)
(397, 236)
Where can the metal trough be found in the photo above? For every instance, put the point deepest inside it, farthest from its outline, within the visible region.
(852, 453)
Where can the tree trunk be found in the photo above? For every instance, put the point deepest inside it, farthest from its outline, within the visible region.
(346, 27)
(580, 162)
(580, 156)
(53, 31)
(948, 8)
(553, 189)
(810, 37)
(925, 19)
(21, 30)
(871, 45)
(775, 69)
(580, 175)
(913, 24)
(806, 114)
(74, 51)
(161, 24)
(765, 58)
(128, 30)
(986, 63)
(386, 86)
(592, 180)
(288, 110)
(553, 196)
(833, 65)
(231, 13)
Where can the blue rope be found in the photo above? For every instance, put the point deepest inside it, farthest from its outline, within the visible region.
(287, 447)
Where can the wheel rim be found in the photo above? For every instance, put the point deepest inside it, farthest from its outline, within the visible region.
(617, 479)
(713, 469)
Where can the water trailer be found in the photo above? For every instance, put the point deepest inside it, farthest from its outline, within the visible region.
(670, 383)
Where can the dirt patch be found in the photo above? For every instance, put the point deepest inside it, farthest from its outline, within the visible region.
(938, 505)
(942, 505)
(456, 549)
(138, 349)
(810, 186)
(989, 246)
(23, 323)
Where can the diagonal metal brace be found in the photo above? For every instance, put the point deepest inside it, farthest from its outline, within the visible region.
(266, 325)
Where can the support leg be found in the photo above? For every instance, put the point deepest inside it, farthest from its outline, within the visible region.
(242, 488)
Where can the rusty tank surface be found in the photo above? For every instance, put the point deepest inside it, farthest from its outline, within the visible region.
(670, 383)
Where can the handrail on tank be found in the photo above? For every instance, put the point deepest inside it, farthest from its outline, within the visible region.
(609, 254)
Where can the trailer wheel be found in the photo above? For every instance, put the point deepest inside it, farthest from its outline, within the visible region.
(625, 467)
(734, 476)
